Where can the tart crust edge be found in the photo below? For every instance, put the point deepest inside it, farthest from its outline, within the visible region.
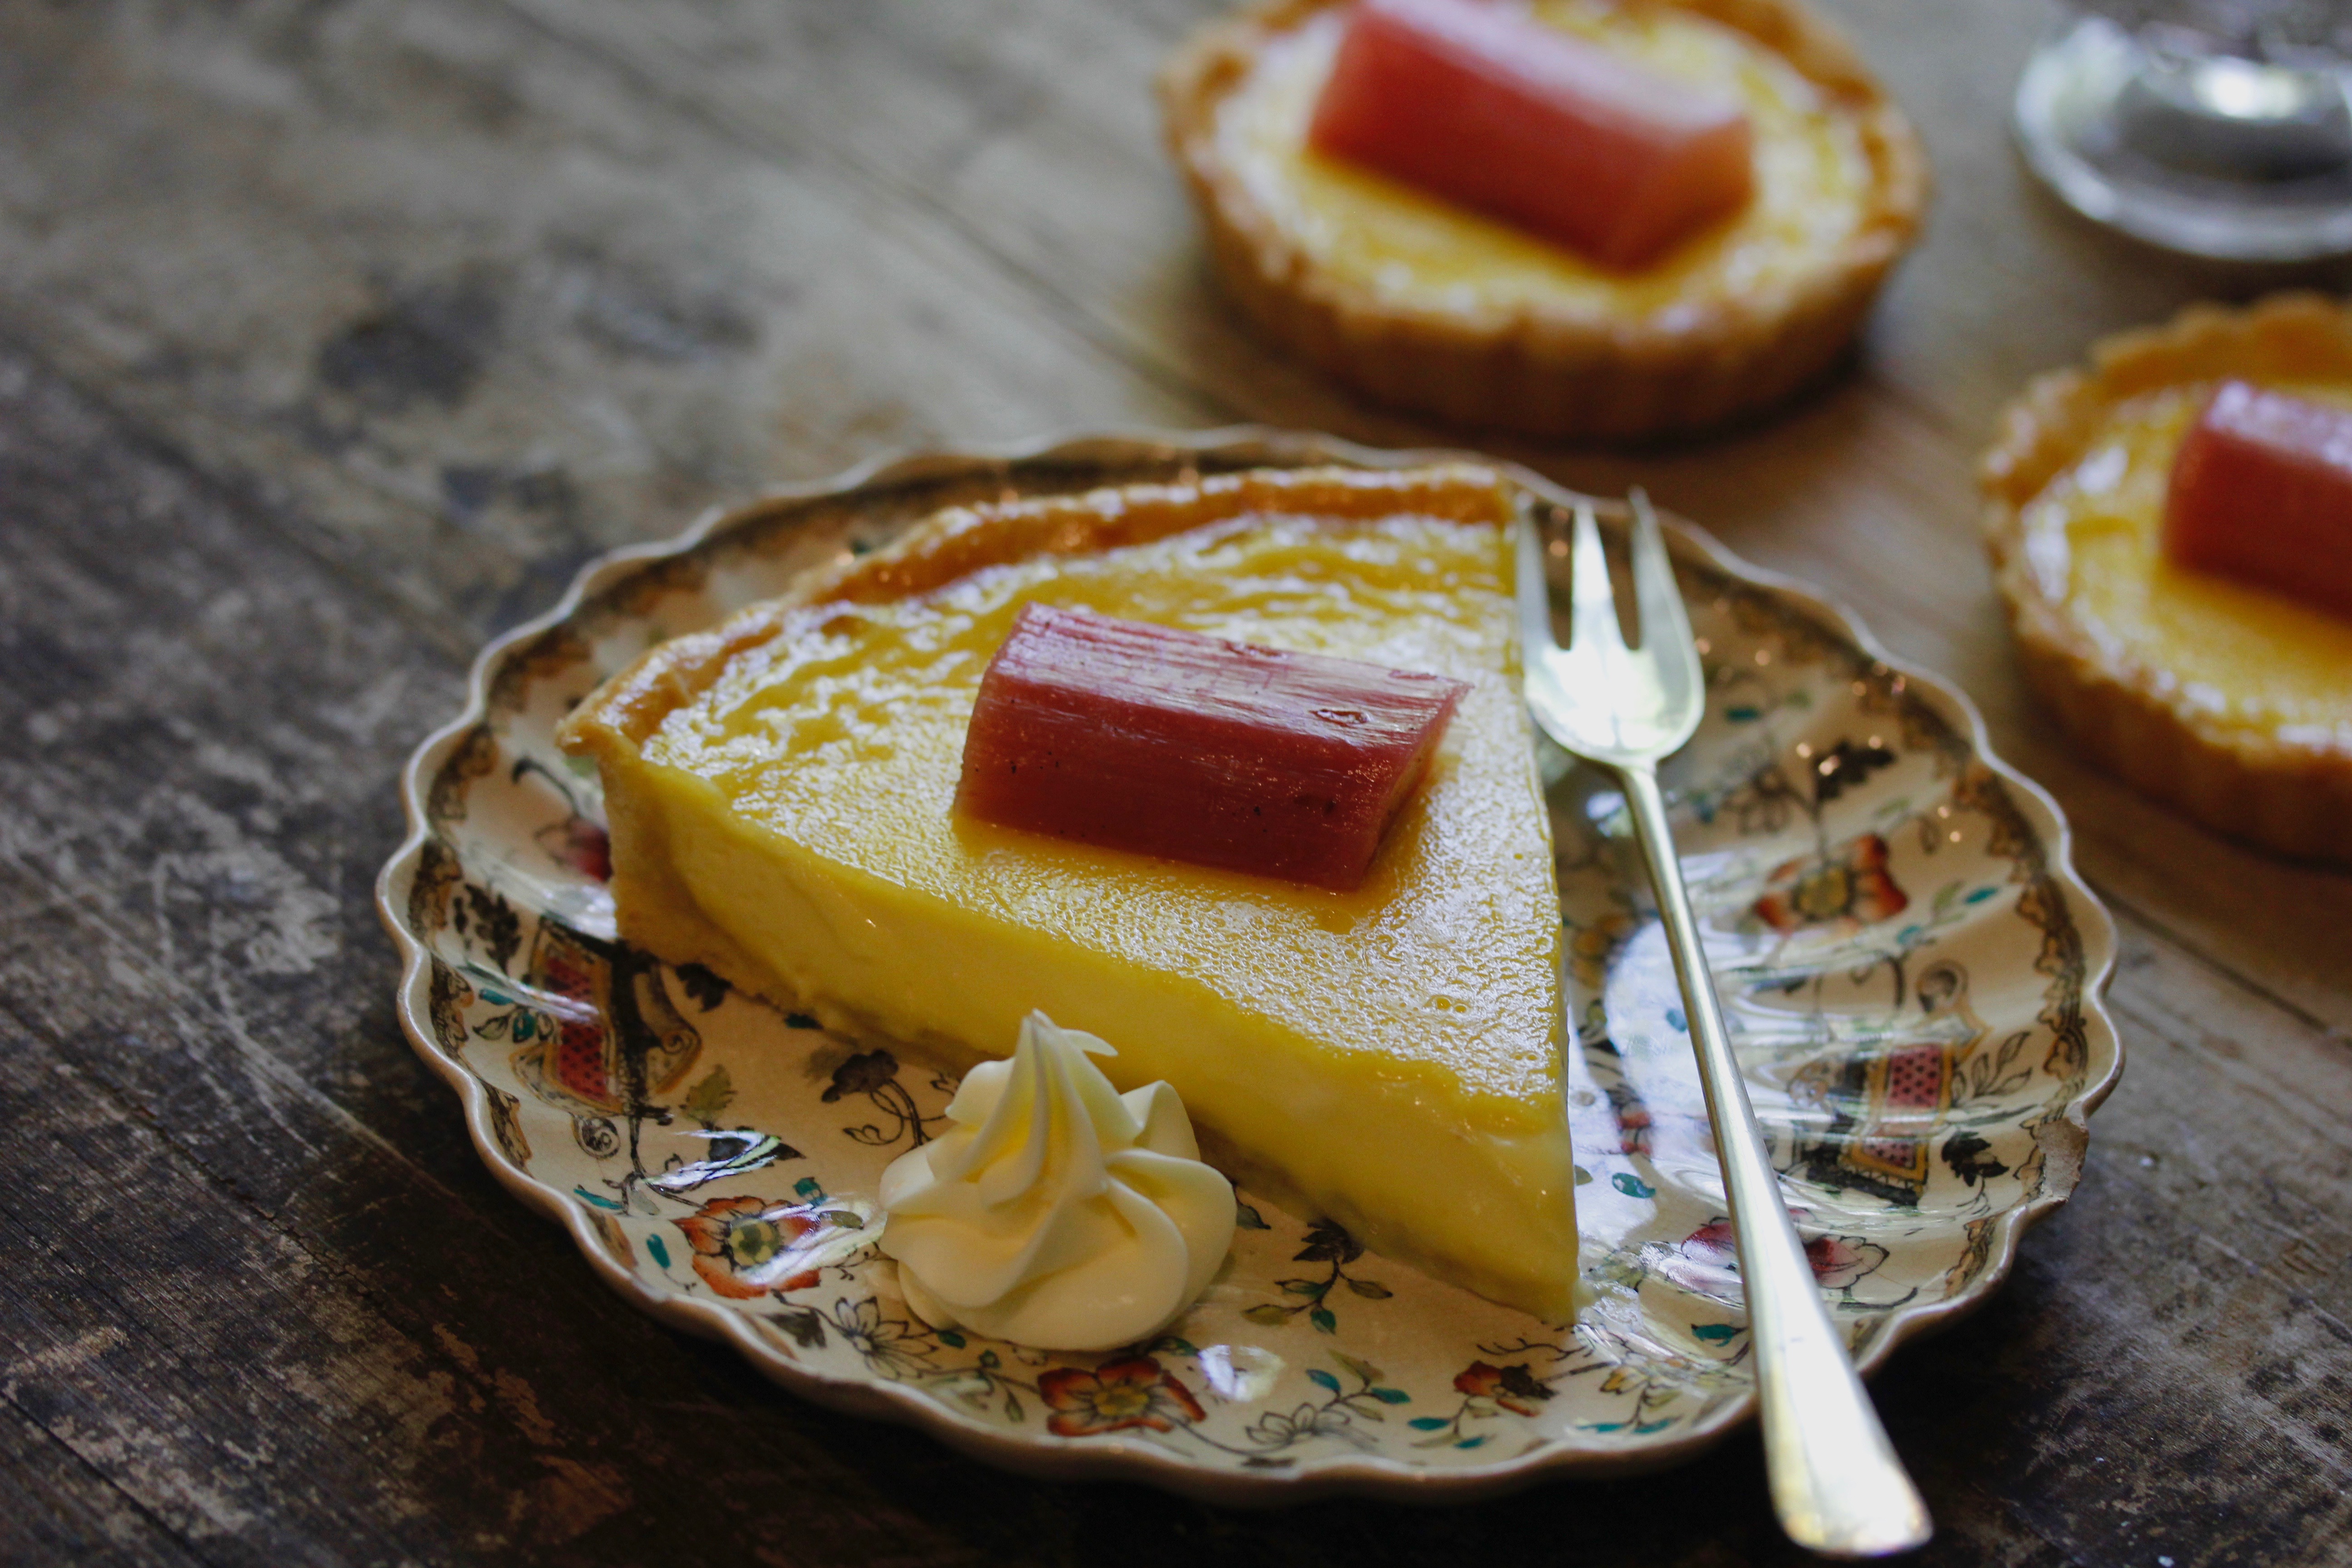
(2292, 798)
(1540, 373)
(628, 706)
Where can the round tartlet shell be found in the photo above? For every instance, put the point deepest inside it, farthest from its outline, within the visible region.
(1538, 372)
(2295, 799)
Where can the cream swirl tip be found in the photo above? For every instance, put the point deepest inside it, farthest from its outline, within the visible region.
(1055, 1212)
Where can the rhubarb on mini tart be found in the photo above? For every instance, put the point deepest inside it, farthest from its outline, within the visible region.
(2171, 532)
(1607, 218)
(1358, 1005)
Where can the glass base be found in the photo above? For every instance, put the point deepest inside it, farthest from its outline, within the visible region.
(2210, 155)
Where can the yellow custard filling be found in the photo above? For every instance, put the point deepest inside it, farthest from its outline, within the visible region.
(2232, 656)
(1390, 1056)
(1413, 251)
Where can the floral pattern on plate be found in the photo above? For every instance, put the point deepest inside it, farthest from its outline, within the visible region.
(1910, 967)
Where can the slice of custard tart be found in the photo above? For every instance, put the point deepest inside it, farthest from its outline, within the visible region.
(781, 796)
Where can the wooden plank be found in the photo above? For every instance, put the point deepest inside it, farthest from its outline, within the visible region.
(368, 1375)
(55, 1509)
(1028, 130)
(467, 302)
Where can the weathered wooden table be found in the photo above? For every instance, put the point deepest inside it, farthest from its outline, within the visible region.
(335, 333)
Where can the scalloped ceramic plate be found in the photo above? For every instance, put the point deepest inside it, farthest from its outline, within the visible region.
(1912, 966)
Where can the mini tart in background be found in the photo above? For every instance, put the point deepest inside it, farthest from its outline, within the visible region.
(2229, 701)
(1430, 307)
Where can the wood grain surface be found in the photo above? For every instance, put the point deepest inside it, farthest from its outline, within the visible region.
(334, 335)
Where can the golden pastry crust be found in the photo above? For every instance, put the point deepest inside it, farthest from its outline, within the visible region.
(2289, 795)
(1552, 372)
(627, 710)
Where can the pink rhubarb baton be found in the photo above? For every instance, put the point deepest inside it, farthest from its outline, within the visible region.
(1486, 107)
(2261, 491)
(1167, 742)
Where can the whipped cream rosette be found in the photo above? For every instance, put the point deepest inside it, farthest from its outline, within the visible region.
(1056, 1212)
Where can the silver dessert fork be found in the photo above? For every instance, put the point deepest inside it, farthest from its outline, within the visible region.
(1836, 1483)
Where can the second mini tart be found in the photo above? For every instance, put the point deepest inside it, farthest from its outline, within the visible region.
(2232, 703)
(1431, 308)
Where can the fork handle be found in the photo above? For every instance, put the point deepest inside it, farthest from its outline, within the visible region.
(1837, 1485)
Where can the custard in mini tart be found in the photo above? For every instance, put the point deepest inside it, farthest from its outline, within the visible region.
(1430, 307)
(2229, 701)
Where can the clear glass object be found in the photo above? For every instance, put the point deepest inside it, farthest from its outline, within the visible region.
(2221, 128)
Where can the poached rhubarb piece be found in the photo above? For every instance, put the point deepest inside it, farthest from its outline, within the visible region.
(2261, 491)
(1167, 743)
(1493, 109)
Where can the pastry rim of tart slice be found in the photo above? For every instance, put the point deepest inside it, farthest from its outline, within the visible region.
(1388, 1058)
(1779, 301)
(2283, 783)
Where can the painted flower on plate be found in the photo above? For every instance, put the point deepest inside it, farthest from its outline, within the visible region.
(1513, 1387)
(895, 1348)
(1855, 888)
(1132, 1392)
(864, 1073)
(1276, 1429)
(1837, 1260)
(745, 1248)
